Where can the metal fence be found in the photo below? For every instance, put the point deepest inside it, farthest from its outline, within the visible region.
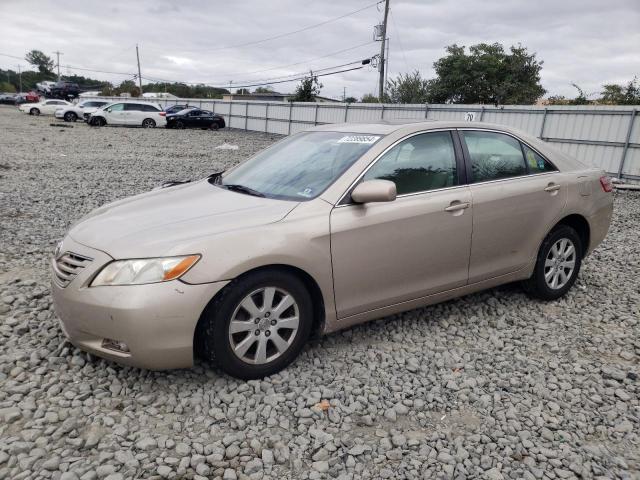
(606, 136)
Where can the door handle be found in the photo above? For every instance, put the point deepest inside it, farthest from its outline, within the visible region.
(456, 206)
(552, 187)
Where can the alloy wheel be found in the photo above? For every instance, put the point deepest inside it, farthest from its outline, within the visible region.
(560, 264)
(264, 325)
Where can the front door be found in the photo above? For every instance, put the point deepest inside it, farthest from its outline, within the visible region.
(115, 114)
(517, 197)
(417, 245)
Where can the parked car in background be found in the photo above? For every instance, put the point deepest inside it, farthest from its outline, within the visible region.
(8, 99)
(81, 110)
(65, 90)
(325, 229)
(144, 114)
(45, 87)
(176, 108)
(45, 107)
(28, 97)
(195, 118)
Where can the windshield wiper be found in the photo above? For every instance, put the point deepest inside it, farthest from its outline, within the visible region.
(241, 189)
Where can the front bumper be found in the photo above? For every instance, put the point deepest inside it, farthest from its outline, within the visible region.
(156, 321)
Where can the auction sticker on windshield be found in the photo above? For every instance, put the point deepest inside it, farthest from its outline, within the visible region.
(359, 139)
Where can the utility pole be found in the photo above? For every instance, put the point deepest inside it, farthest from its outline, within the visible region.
(58, 63)
(20, 76)
(382, 50)
(139, 73)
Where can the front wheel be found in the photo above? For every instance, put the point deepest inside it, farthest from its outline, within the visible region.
(257, 325)
(557, 266)
(70, 117)
(34, 111)
(149, 123)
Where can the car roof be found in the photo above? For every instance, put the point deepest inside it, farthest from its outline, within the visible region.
(385, 127)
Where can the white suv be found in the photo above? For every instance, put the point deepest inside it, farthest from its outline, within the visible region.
(81, 110)
(145, 114)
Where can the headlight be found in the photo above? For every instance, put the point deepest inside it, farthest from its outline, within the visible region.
(144, 270)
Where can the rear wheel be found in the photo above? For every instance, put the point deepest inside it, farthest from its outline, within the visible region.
(70, 117)
(257, 325)
(149, 123)
(215, 126)
(34, 111)
(180, 124)
(557, 266)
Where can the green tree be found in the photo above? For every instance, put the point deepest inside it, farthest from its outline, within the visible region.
(369, 98)
(307, 90)
(42, 62)
(487, 74)
(243, 91)
(350, 100)
(263, 90)
(6, 87)
(407, 88)
(613, 94)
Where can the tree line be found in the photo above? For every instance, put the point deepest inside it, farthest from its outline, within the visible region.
(482, 74)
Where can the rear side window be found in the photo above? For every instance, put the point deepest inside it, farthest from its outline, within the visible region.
(422, 162)
(535, 162)
(493, 156)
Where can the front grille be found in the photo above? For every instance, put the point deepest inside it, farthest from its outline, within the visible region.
(67, 266)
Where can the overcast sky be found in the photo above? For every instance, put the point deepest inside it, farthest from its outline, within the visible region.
(589, 42)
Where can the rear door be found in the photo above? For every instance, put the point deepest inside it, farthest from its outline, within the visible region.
(133, 113)
(417, 245)
(517, 197)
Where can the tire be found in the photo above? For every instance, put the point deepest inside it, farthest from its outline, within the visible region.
(98, 122)
(34, 111)
(216, 343)
(70, 117)
(214, 126)
(180, 124)
(149, 123)
(557, 266)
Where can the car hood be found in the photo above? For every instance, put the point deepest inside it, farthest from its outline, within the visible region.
(161, 222)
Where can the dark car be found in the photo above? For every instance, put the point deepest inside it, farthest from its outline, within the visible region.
(177, 108)
(65, 90)
(7, 99)
(195, 118)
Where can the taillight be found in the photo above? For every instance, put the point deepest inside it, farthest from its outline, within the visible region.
(606, 184)
(163, 114)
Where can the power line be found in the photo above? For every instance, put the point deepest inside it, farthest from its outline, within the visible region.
(299, 63)
(397, 31)
(264, 80)
(293, 32)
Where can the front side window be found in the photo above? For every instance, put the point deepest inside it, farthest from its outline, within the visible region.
(420, 163)
(493, 156)
(118, 107)
(299, 167)
(535, 162)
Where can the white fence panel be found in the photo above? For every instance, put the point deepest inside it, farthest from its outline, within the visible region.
(606, 136)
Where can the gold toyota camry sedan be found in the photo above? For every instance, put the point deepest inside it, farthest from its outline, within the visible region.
(325, 229)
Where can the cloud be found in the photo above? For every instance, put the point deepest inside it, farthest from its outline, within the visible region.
(589, 42)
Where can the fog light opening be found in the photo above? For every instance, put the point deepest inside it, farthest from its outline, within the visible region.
(116, 345)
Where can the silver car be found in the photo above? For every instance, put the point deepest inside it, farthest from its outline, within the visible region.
(323, 230)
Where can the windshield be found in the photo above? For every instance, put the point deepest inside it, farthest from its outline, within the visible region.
(300, 167)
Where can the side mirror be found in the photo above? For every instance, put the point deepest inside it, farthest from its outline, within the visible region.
(374, 191)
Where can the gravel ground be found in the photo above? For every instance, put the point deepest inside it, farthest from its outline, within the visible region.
(492, 385)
